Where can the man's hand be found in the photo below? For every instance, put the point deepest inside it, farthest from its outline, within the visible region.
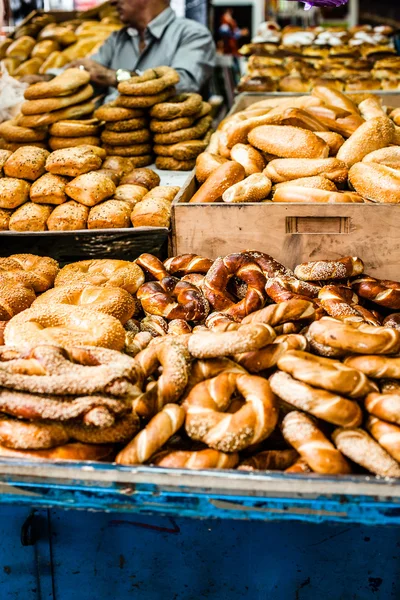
(99, 75)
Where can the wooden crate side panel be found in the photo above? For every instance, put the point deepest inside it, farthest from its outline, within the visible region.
(293, 234)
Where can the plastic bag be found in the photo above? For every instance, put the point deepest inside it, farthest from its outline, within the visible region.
(11, 94)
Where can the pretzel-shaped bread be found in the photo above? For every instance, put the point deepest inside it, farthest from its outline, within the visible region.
(224, 268)
(269, 460)
(378, 367)
(276, 314)
(244, 339)
(200, 459)
(208, 421)
(268, 357)
(392, 320)
(320, 403)
(319, 453)
(357, 445)
(341, 303)
(106, 272)
(363, 339)
(152, 265)
(175, 361)
(285, 288)
(385, 406)
(173, 299)
(185, 264)
(386, 434)
(381, 291)
(323, 270)
(151, 82)
(208, 369)
(326, 373)
(156, 433)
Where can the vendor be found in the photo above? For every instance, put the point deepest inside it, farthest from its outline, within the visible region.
(154, 36)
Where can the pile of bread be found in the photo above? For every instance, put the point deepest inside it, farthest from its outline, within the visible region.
(350, 61)
(78, 188)
(41, 44)
(48, 115)
(237, 362)
(148, 119)
(322, 148)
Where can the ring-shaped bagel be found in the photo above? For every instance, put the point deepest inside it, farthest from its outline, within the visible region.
(127, 125)
(141, 153)
(208, 421)
(360, 339)
(127, 138)
(151, 82)
(64, 326)
(71, 128)
(198, 130)
(111, 113)
(322, 270)
(104, 272)
(331, 375)
(38, 272)
(167, 163)
(144, 101)
(215, 344)
(157, 126)
(111, 301)
(14, 297)
(182, 105)
(173, 299)
(383, 292)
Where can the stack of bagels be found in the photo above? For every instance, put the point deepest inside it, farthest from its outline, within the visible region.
(126, 133)
(78, 188)
(237, 362)
(323, 148)
(181, 129)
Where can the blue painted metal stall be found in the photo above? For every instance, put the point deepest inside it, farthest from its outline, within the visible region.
(253, 536)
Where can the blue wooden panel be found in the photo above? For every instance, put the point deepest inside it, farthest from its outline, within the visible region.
(18, 573)
(102, 556)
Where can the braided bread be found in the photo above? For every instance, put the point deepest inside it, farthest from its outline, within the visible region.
(301, 433)
(363, 339)
(207, 369)
(378, 367)
(201, 459)
(326, 373)
(386, 434)
(276, 314)
(322, 270)
(208, 421)
(268, 357)
(320, 403)
(158, 431)
(285, 288)
(384, 406)
(357, 445)
(245, 339)
(341, 303)
(382, 292)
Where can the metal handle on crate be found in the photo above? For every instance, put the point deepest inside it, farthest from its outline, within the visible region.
(318, 225)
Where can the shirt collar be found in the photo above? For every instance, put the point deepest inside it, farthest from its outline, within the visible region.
(158, 25)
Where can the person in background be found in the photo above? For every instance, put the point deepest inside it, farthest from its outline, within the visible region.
(230, 33)
(153, 36)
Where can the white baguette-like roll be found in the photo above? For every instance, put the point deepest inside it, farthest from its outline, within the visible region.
(287, 141)
(370, 136)
(376, 182)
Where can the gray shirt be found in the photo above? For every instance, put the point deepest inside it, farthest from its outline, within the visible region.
(182, 44)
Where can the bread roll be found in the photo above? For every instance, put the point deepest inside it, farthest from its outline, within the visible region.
(5, 216)
(375, 182)
(13, 192)
(11, 64)
(46, 105)
(113, 175)
(151, 212)
(286, 169)
(12, 132)
(144, 177)
(26, 163)
(334, 140)
(63, 35)
(334, 97)
(29, 67)
(395, 116)
(4, 45)
(371, 135)
(56, 60)
(110, 214)
(30, 217)
(390, 157)
(219, 181)
(49, 189)
(301, 194)
(75, 129)
(21, 48)
(44, 49)
(371, 107)
(251, 160)
(254, 188)
(4, 156)
(91, 188)
(165, 192)
(121, 164)
(96, 150)
(130, 193)
(288, 142)
(317, 182)
(73, 161)
(69, 216)
(58, 143)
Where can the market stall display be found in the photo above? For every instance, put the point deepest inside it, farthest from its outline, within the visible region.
(296, 59)
(40, 43)
(262, 367)
(68, 190)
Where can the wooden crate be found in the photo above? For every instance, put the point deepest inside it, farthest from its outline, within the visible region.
(291, 233)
